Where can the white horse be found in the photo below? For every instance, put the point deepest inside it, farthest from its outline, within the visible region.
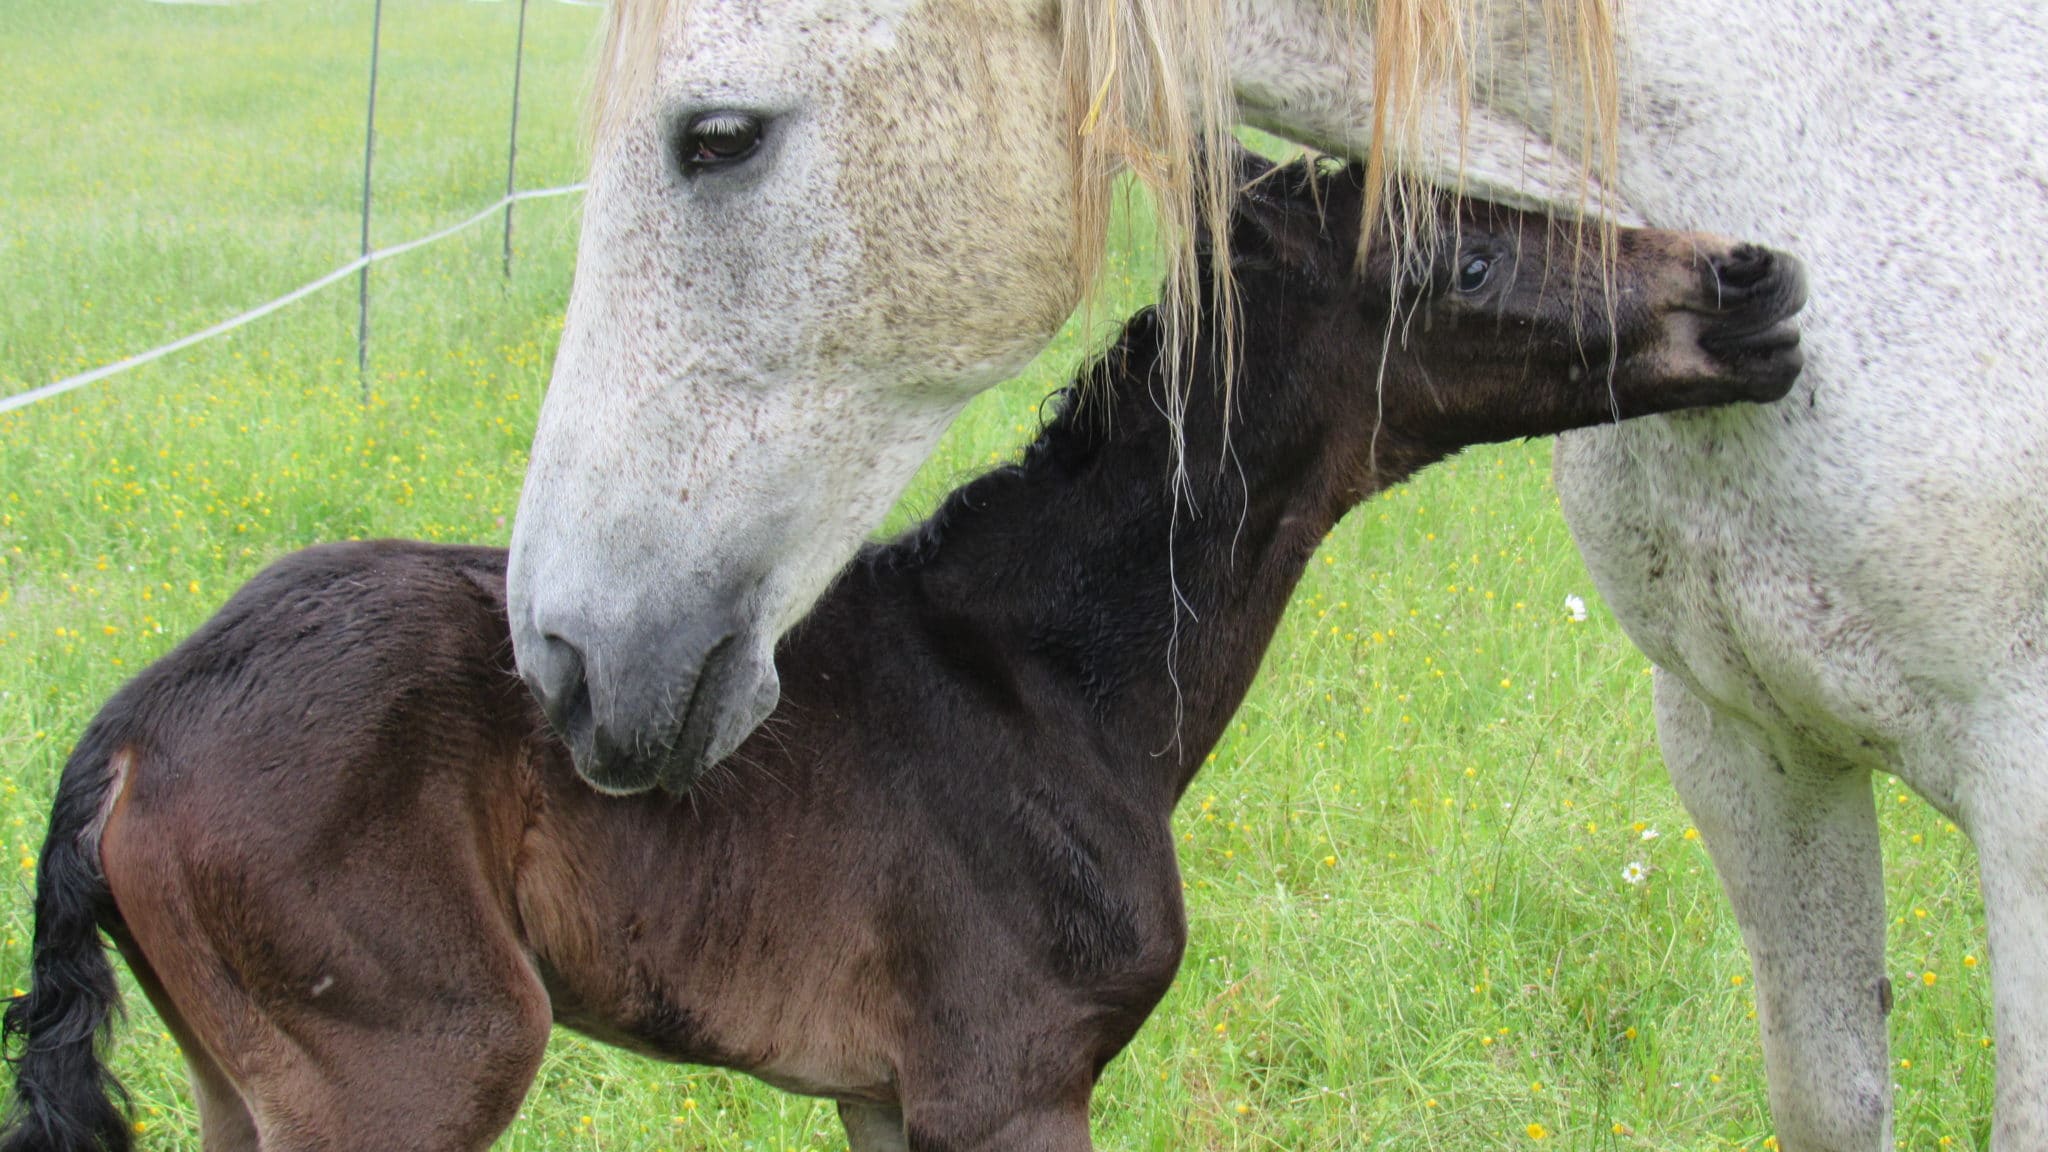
(777, 311)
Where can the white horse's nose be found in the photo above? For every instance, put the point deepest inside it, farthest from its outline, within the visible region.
(653, 708)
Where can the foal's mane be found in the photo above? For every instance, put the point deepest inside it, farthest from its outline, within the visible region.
(1149, 95)
(1082, 417)
(1078, 424)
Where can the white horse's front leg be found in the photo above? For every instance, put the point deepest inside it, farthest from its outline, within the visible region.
(2005, 802)
(1797, 851)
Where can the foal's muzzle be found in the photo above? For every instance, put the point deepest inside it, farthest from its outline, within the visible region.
(1751, 295)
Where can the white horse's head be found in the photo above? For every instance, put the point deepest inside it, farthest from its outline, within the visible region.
(826, 227)
(814, 230)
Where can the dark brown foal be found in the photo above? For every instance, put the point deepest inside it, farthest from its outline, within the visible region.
(336, 841)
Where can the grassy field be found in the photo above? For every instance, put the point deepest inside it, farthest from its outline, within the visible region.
(1410, 923)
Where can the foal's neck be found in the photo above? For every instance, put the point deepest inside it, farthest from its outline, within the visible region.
(1151, 613)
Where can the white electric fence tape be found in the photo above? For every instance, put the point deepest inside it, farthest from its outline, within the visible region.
(24, 399)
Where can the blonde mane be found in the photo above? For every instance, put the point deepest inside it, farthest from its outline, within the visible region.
(1150, 96)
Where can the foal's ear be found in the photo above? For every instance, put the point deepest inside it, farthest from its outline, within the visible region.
(1284, 220)
(1247, 169)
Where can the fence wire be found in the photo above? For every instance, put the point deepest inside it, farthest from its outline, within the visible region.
(72, 383)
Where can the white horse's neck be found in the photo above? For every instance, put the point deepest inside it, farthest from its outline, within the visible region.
(1306, 74)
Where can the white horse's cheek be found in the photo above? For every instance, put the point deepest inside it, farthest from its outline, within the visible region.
(970, 267)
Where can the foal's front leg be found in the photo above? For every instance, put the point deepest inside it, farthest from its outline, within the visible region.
(1796, 848)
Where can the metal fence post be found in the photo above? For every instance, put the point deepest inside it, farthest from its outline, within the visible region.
(512, 140)
(369, 154)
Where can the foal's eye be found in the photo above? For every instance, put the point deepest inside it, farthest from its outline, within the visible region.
(1474, 274)
(714, 139)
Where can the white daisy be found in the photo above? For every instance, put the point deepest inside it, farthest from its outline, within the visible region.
(1635, 873)
(1576, 605)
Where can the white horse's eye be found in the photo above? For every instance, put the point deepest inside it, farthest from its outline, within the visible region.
(714, 139)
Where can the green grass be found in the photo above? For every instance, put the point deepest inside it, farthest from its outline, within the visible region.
(1410, 928)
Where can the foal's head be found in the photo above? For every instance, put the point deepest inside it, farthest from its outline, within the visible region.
(1517, 326)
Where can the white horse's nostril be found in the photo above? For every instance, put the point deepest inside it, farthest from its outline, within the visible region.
(558, 681)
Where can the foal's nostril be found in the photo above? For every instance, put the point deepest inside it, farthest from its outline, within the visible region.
(1752, 286)
(1745, 267)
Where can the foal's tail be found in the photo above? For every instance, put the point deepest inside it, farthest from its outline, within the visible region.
(65, 1099)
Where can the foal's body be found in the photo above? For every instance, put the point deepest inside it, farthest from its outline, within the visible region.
(359, 877)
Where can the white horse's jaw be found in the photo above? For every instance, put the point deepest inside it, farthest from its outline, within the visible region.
(758, 357)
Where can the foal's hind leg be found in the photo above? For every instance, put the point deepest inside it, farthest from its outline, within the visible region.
(1049, 1128)
(225, 1124)
(430, 1048)
(998, 1095)
(384, 1015)
(431, 1085)
(2004, 799)
(1796, 848)
(873, 1127)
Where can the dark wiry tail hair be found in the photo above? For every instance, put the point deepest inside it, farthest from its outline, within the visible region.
(65, 1099)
